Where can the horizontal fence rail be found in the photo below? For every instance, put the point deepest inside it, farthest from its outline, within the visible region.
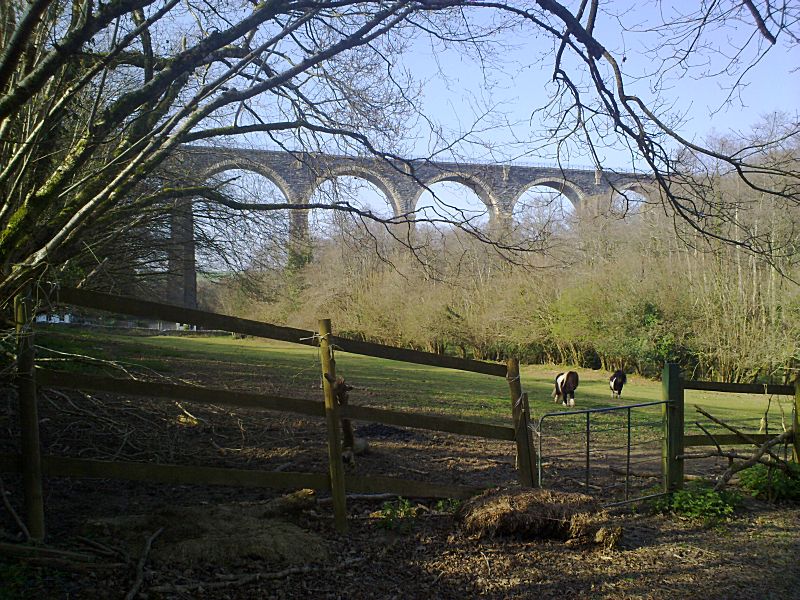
(187, 393)
(739, 388)
(220, 397)
(59, 466)
(169, 312)
(734, 388)
(725, 438)
(429, 422)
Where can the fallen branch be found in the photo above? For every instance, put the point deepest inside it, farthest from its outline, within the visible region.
(103, 549)
(732, 455)
(25, 533)
(140, 567)
(361, 497)
(584, 484)
(632, 473)
(237, 580)
(410, 470)
(70, 565)
(710, 436)
(52, 557)
(743, 436)
(190, 415)
(757, 458)
(83, 358)
(26, 551)
(651, 475)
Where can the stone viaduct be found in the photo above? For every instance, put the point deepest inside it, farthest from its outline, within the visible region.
(298, 174)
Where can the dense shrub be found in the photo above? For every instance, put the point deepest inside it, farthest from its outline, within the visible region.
(699, 502)
(771, 484)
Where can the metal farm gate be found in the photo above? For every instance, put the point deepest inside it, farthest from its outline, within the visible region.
(614, 453)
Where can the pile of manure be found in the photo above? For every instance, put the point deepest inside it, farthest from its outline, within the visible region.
(538, 514)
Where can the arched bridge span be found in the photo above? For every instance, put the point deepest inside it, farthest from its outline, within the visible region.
(299, 174)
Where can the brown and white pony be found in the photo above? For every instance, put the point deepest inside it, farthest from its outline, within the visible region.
(616, 381)
(565, 388)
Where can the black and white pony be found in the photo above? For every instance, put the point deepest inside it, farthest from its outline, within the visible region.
(615, 382)
(565, 388)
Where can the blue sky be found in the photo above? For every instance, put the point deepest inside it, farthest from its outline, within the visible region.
(516, 80)
(519, 82)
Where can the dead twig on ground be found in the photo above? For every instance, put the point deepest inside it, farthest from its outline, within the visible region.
(237, 580)
(584, 484)
(410, 470)
(653, 475)
(28, 551)
(191, 416)
(140, 566)
(24, 530)
(69, 357)
(375, 497)
(103, 549)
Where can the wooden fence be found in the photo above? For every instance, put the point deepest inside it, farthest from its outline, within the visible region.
(34, 466)
(675, 439)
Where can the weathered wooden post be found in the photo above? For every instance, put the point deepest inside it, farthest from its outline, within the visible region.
(29, 419)
(520, 411)
(672, 445)
(332, 418)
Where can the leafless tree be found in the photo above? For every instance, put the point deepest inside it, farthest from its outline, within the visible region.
(97, 96)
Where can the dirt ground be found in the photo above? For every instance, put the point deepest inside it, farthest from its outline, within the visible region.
(223, 542)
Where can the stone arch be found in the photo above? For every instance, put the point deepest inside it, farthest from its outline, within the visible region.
(367, 175)
(628, 199)
(481, 188)
(569, 190)
(291, 196)
(645, 190)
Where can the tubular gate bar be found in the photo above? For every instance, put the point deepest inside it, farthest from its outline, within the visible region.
(589, 412)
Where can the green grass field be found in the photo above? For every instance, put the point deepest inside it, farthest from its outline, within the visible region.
(295, 370)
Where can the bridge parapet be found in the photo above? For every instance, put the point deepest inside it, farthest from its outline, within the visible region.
(498, 186)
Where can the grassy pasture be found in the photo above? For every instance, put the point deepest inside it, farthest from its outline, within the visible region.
(294, 369)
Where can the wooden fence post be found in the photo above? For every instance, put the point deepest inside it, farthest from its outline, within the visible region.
(672, 445)
(796, 424)
(332, 418)
(520, 411)
(29, 419)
